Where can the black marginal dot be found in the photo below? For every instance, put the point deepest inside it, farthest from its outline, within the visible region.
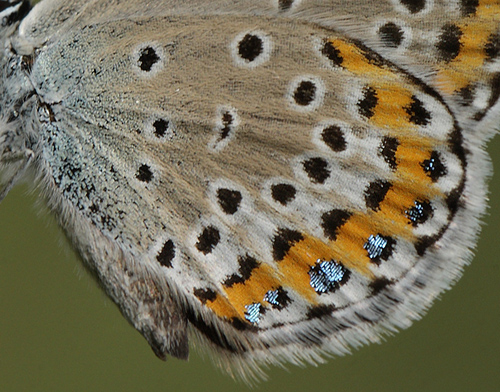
(208, 240)
(250, 47)
(419, 115)
(319, 311)
(283, 193)
(375, 193)
(379, 284)
(160, 127)
(492, 47)
(424, 243)
(379, 247)
(332, 221)
(229, 200)
(317, 170)
(387, 150)
(367, 104)
(334, 138)
(332, 53)
(420, 212)
(240, 325)
(285, 5)
(449, 44)
(147, 58)
(246, 265)
(205, 295)
(414, 6)
(305, 93)
(144, 173)
(468, 7)
(434, 167)
(166, 254)
(454, 200)
(466, 95)
(391, 35)
(283, 241)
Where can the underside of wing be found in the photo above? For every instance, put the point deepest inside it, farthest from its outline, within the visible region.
(283, 184)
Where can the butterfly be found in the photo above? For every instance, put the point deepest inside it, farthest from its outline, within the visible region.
(278, 179)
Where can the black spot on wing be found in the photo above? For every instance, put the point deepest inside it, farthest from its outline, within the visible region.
(367, 104)
(144, 174)
(205, 295)
(419, 115)
(434, 167)
(492, 47)
(246, 266)
(319, 311)
(332, 53)
(250, 47)
(414, 6)
(332, 221)
(285, 5)
(379, 284)
(333, 136)
(305, 93)
(229, 200)
(160, 127)
(208, 240)
(468, 7)
(166, 254)
(317, 170)
(391, 35)
(449, 44)
(283, 193)
(375, 193)
(283, 241)
(147, 58)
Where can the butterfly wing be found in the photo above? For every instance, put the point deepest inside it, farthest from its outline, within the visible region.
(279, 176)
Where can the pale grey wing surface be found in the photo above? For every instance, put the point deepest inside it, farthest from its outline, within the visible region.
(427, 38)
(242, 168)
(163, 129)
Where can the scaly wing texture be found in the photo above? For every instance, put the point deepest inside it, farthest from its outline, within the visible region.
(289, 178)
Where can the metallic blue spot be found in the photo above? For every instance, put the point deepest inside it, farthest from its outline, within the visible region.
(326, 276)
(419, 213)
(253, 312)
(278, 298)
(431, 165)
(272, 297)
(434, 167)
(415, 213)
(375, 246)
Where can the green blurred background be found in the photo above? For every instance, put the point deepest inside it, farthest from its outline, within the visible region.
(58, 332)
